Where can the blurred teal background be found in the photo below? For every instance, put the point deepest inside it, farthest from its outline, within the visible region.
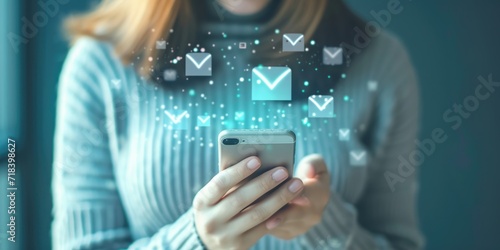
(451, 44)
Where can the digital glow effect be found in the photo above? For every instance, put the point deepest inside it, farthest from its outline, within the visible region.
(262, 86)
(293, 42)
(271, 83)
(321, 106)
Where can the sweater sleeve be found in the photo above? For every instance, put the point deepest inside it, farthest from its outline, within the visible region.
(385, 215)
(88, 211)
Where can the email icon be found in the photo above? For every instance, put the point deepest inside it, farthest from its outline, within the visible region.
(176, 119)
(239, 116)
(242, 45)
(170, 75)
(161, 44)
(372, 86)
(344, 134)
(332, 56)
(357, 158)
(321, 106)
(293, 42)
(271, 84)
(198, 64)
(203, 121)
(117, 83)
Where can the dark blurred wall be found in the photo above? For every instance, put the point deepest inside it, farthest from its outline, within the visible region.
(451, 44)
(45, 54)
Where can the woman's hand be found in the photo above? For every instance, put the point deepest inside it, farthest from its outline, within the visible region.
(305, 211)
(226, 220)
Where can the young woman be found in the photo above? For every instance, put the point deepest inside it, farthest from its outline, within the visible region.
(134, 169)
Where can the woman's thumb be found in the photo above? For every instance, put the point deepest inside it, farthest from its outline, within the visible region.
(312, 166)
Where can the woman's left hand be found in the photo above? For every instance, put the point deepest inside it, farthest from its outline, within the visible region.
(305, 211)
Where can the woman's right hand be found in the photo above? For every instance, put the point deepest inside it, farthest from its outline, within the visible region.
(226, 221)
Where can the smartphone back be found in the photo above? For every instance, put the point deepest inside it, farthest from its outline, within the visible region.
(274, 147)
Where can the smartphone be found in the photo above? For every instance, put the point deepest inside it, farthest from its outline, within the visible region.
(274, 147)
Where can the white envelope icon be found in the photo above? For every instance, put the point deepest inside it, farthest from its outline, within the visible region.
(357, 158)
(198, 64)
(239, 116)
(271, 83)
(161, 44)
(344, 134)
(372, 85)
(321, 106)
(293, 42)
(203, 121)
(170, 75)
(176, 119)
(116, 83)
(332, 56)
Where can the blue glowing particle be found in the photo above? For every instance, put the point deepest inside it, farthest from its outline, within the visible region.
(304, 107)
(346, 98)
(306, 83)
(313, 42)
(305, 121)
(192, 92)
(256, 42)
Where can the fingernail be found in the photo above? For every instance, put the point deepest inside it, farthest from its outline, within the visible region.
(253, 164)
(303, 201)
(279, 175)
(295, 186)
(273, 223)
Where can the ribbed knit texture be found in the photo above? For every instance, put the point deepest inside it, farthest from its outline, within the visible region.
(123, 179)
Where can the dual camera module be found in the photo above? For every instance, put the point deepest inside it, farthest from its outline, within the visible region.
(232, 141)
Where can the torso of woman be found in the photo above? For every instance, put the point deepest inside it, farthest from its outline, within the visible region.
(160, 156)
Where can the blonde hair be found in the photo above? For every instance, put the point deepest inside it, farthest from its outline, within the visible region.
(134, 26)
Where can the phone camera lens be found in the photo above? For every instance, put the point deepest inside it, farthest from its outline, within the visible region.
(230, 141)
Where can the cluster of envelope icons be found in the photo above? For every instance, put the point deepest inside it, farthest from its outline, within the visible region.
(272, 83)
(200, 64)
(269, 83)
